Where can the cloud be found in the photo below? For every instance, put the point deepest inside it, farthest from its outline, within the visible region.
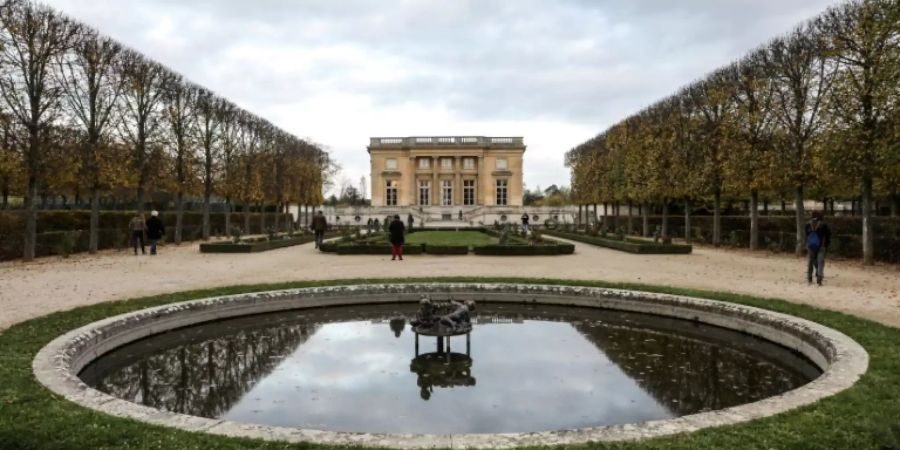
(556, 72)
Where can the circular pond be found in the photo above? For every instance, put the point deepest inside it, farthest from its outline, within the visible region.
(523, 368)
(542, 365)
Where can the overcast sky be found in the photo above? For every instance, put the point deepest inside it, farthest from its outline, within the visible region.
(556, 72)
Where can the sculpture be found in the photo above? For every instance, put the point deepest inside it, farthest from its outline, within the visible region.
(443, 318)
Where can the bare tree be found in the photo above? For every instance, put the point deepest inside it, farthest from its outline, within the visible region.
(180, 116)
(32, 40)
(92, 90)
(146, 85)
(209, 118)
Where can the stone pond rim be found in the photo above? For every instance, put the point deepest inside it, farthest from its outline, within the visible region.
(842, 360)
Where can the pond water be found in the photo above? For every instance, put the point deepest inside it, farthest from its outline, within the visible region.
(526, 368)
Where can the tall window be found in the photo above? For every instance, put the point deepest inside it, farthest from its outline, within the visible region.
(446, 192)
(468, 192)
(446, 164)
(425, 163)
(502, 192)
(424, 192)
(390, 164)
(469, 163)
(502, 164)
(390, 194)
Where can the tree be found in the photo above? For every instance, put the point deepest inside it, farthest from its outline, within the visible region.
(92, 89)
(180, 104)
(32, 41)
(802, 80)
(146, 86)
(863, 40)
(209, 111)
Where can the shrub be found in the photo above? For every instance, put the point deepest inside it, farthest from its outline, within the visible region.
(447, 249)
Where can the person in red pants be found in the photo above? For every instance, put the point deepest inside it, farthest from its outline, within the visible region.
(398, 232)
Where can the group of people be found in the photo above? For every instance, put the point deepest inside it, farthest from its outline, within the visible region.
(153, 228)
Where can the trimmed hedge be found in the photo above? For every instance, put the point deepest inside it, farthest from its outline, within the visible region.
(447, 249)
(525, 250)
(376, 249)
(113, 232)
(255, 247)
(628, 245)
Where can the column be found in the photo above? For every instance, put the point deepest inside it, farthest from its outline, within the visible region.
(413, 184)
(457, 182)
(480, 190)
(435, 183)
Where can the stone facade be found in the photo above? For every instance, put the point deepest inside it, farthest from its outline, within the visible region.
(447, 173)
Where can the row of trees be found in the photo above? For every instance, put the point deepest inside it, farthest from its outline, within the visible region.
(812, 114)
(81, 113)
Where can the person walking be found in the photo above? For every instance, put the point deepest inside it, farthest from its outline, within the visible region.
(398, 232)
(525, 220)
(369, 225)
(818, 238)
(138, 226)
(155, 231)
(319, 225)
(410, 220)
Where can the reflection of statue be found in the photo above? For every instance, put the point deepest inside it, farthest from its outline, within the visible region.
(445, 370)
(397, 325)
(443, 318)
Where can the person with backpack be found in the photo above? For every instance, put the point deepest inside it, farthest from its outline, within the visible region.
(319, 226)
(818, 238)
(138, 226)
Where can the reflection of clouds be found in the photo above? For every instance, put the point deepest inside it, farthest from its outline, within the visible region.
(531, 376)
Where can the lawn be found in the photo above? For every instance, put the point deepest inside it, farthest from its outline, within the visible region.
(866, 416)
(450, 238)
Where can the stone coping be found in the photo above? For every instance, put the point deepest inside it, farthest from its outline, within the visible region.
(842, 360)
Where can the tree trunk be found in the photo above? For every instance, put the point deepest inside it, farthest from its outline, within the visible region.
(246, 217)
(799, 219)
(179, 217)
(227, 216)
(717, 218)
(645, 214)
(262, 218)
(868, 235)
(688, 209)
(94, 232)
(629, 226)
(578, 219)
(141, 195)
(754, 219)
(783, 206)
(206, 196)
(28, 252)
(895, 204)
(766, 207)
(4, 195)
(278, 207)
(665, 219)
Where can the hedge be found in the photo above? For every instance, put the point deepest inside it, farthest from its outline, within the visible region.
(447, 249)
(627, 245)
(376, 249)
(778, 233)
(525, 250)
(257, 246)
(113, 231)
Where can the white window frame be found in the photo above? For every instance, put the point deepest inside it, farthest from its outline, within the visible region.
(502, 164)
(390, 164)
(469, 163)
(424, 192)
(502, 193)
(446, 163)
(446, 192)
(469, 191)
(424, 163)
(391, 193)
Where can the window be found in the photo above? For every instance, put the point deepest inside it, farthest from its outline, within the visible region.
(390, 197)
(447, 193)
(502, 192)
(469, 163)
(446, 164)
(502, 164)
(390, 164)
(424, 192)
(469, 192)
(425, 163)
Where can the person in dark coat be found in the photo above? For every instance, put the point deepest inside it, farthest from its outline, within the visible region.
(818, 238)
(398, 232)
(319, 225)
(155, 231)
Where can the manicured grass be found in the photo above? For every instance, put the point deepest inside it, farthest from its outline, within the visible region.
(866, 416)
(450, 238)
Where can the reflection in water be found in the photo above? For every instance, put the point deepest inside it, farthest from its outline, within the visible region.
(539, 368)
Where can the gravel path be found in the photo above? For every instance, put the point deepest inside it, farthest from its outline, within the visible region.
(53, 284)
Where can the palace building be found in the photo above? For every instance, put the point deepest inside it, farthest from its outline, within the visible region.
(446, 174)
